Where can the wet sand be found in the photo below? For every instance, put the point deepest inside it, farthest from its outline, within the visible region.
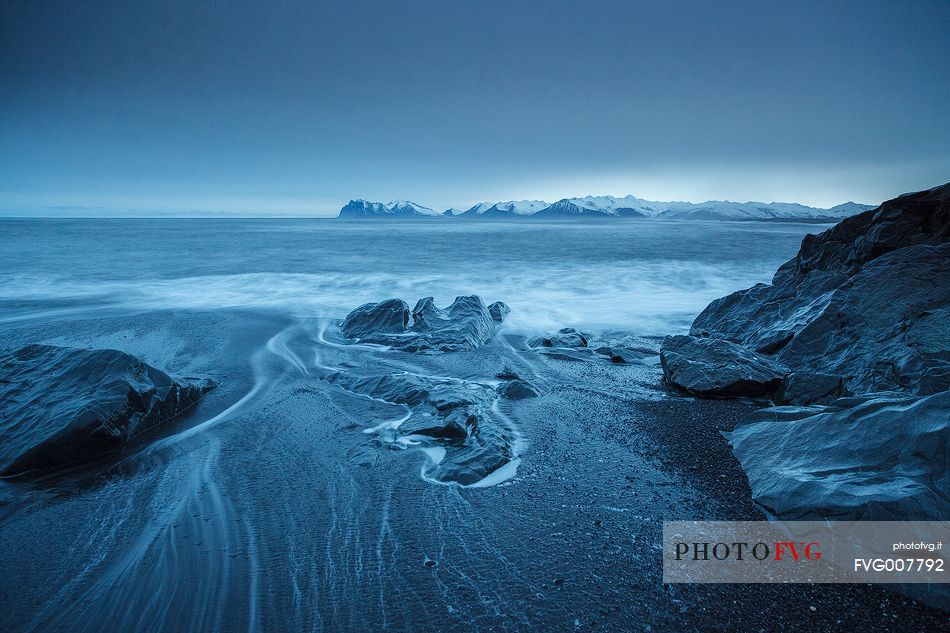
(270, 508)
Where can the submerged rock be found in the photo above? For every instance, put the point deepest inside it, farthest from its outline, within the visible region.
(712, 367)
(466, 324)
(874, 457)
(457, 416)
(60, 405)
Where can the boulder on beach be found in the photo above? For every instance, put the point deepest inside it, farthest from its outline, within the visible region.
(455, 415)
(876, 457)
(464, 325)
(711, 367)
(60, 405)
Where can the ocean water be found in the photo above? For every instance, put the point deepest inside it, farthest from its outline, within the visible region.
(645, 276)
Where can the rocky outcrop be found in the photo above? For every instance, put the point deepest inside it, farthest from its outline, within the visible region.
(466, 324)
(864, 308)
(712, 368)
(868, 300)
(876, 457)
(60, 405)
(452, 414)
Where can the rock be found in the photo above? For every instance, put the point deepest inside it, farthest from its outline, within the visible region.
(875, 457)
(517, 390)
(565, 337)
(620, 355)
(802, 388)
(499, 311)
(887, 328)
(464, 325)
(60, 405)
(457, 415)
(914, 219)
(868, 300)
(390, 316)
(712, 367)
(454, 426)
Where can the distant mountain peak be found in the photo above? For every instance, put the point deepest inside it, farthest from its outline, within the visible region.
(360, 208)
(509, 208)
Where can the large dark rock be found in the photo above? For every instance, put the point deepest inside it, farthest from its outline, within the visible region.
(60, 405)
(388, 316)
(914, 219)
(466, 324)
(454, 415)
(712, 367)
(875, 457)
(868, 300)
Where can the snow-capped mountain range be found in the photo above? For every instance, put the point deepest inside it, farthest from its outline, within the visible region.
(609, 206)
(395, 209)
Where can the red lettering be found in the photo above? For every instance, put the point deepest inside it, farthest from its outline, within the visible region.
(780, 547)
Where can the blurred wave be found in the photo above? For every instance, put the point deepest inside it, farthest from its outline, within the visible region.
(652, 278)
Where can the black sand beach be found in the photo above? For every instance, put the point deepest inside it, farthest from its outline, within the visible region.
(269, 506)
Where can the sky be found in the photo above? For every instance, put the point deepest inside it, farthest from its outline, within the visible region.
(294, 108)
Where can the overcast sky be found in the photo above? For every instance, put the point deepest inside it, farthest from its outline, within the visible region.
(253, 108)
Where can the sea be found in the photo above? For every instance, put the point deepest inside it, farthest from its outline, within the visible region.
(651, 277)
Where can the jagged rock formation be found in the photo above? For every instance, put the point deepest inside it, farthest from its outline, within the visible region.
(863, 308)
(386, 317)
(868, 300)
(452, 414)
(466, 324)
(60, 405)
